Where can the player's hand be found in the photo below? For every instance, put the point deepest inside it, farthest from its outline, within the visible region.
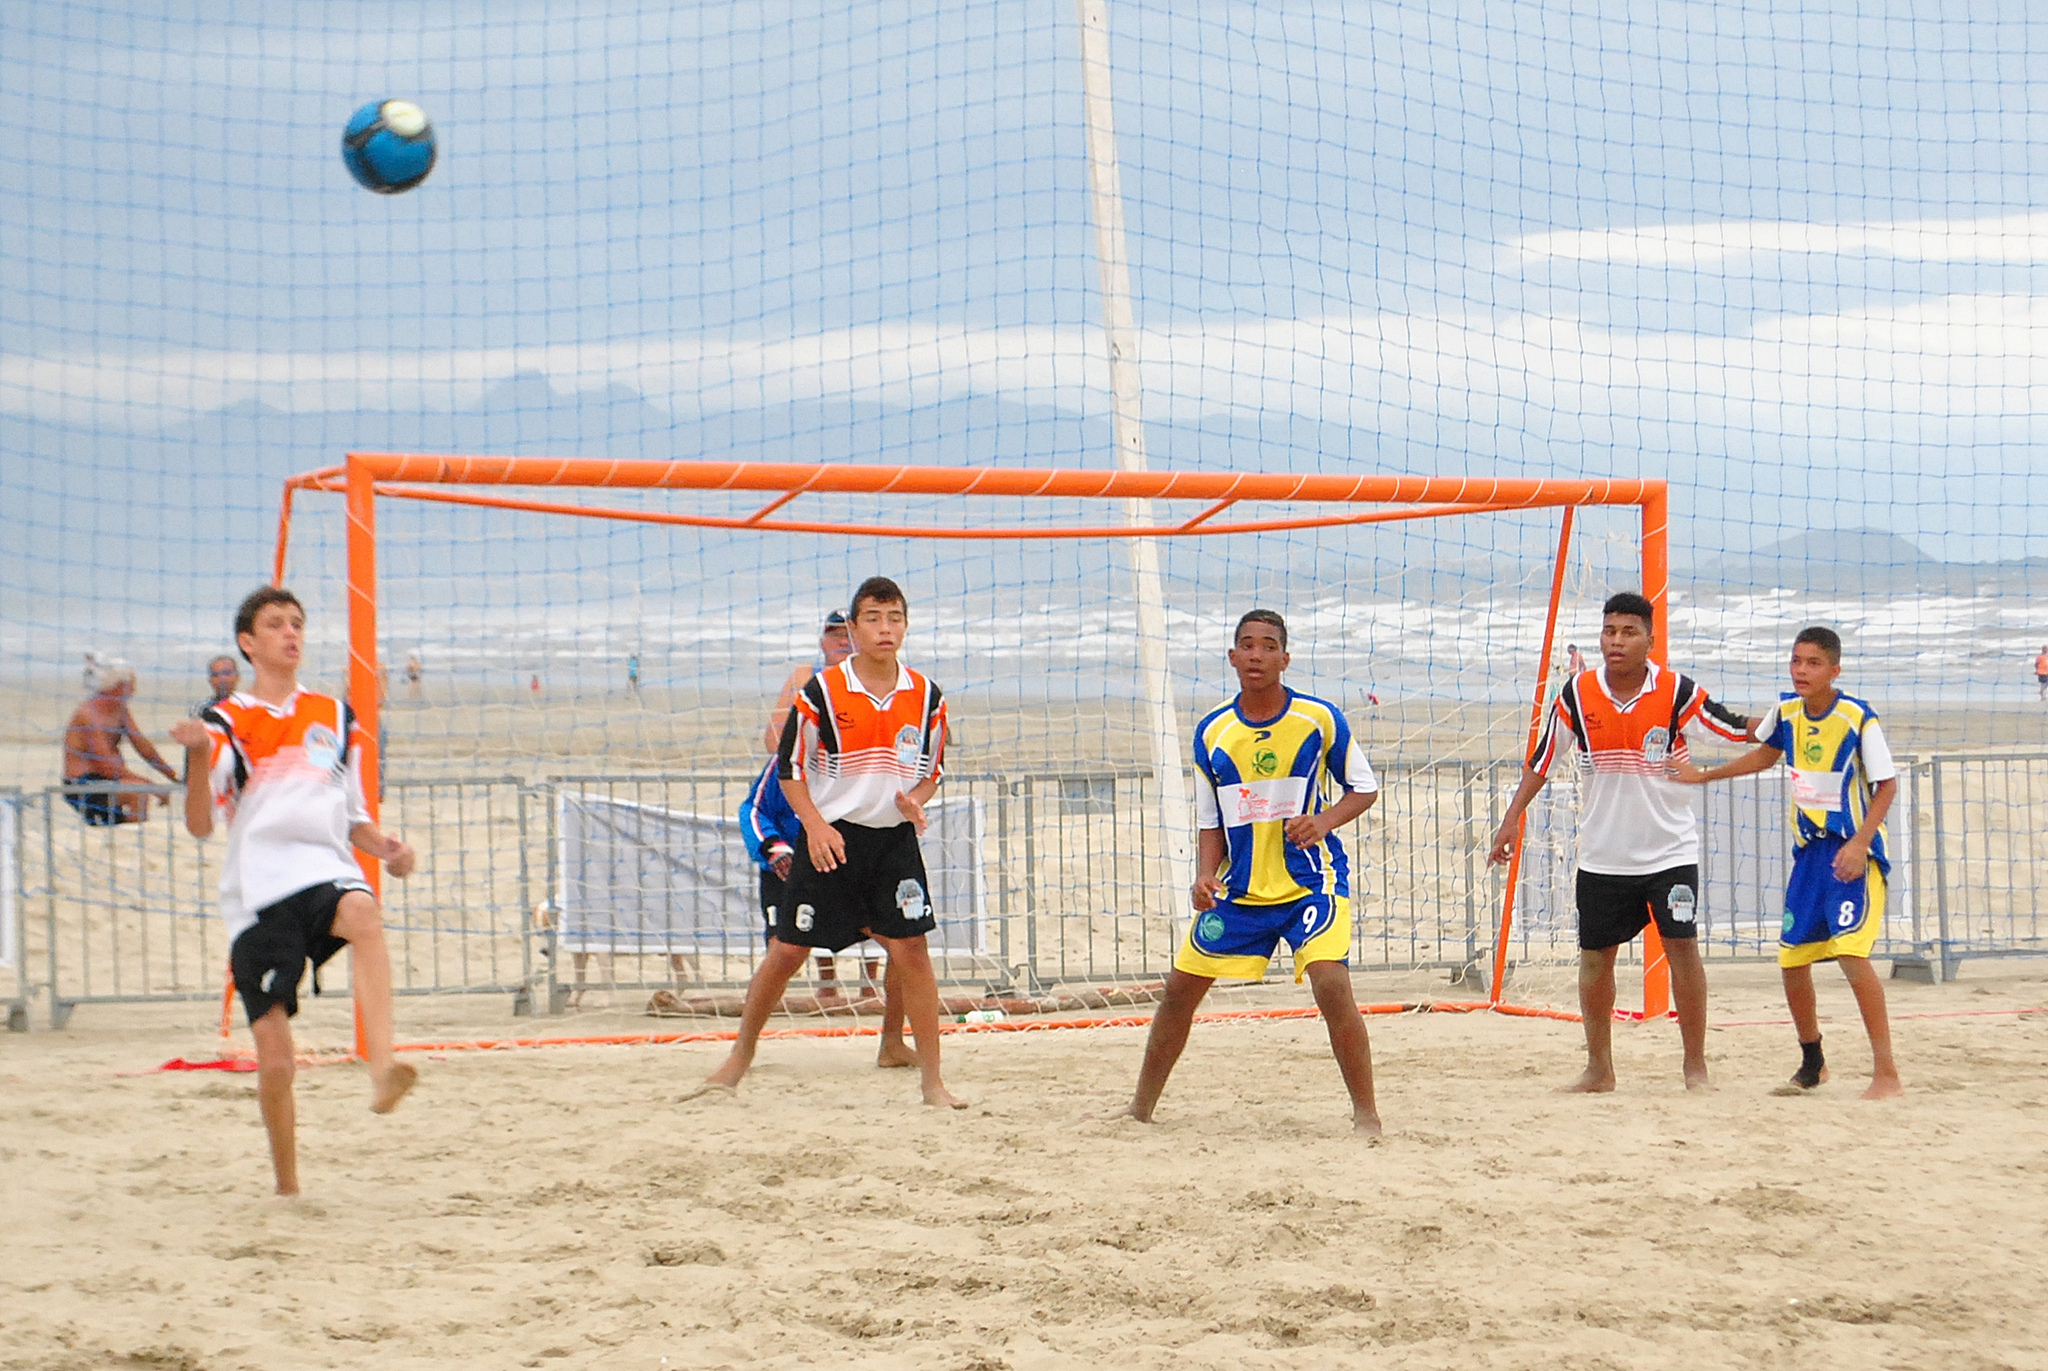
(399, 858)
(1207, 891)
(1505, 839)
(828, 848)
(1685, 773)
(909, 808)
(1852, 861)
(1306, 830)
(780, 863)
(188, 733)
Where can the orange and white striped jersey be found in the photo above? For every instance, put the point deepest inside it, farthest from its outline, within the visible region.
(1633, 819)
(857, 752)
(288, 783)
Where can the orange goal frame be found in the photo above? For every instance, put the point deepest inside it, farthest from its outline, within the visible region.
(368, 476)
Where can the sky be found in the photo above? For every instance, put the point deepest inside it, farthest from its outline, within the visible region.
(1792, 257)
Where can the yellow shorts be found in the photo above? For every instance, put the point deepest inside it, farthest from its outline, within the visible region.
(1826, 918)
(1237, 941)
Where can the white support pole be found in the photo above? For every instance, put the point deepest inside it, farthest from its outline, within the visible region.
(1120, 332)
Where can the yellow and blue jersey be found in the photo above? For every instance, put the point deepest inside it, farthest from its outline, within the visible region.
(1836, 761)
(1256, 775)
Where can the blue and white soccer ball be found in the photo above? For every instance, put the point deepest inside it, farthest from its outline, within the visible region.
(388, 146)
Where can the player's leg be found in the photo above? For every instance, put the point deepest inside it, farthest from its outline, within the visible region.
(1167, 1038)
(894, 1051)
(276, 1067)
(1673, 899)
(1689, 994)
(1318, 928)
(1596, 1013)
(1869, 992)
(764, 992)
(1799, 998)
(360, 923)
(1349, 1042)
(920, 982)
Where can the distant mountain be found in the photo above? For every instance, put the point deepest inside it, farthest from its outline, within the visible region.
(1861, 561)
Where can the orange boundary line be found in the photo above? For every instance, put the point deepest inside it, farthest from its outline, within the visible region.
(1516, 1011)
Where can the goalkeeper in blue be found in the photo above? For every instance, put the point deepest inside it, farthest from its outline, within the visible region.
(1841, 784)
(1278, 774)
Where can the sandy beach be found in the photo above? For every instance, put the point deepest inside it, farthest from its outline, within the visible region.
(561, 1208)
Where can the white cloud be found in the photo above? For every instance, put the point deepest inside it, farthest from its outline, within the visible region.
(1958, 359)
(2016, 239)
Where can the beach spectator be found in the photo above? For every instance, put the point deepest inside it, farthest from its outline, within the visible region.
(1574, 661)
(92, 750)
(633, 673)
(412, 677)
(223, 675)
(2041, 670)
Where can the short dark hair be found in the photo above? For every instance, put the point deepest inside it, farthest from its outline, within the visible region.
(1262, 616)
(882, 591)
(1826, 639)
(1633, 605)
(254, 603)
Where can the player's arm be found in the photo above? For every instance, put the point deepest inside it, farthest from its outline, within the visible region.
(363, 832)
(1854, 857)
(191, 735)
(1558, 728)
(1306, 830)
(144, 748)
(1509, 835)
(826, 845)
(910, 803)
(1761, 758)
(1209, 854)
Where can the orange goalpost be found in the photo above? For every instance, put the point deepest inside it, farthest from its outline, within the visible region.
(1212, 503)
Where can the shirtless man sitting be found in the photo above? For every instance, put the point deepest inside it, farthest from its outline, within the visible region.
(92, 751)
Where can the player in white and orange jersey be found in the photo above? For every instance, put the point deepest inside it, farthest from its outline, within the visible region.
(283, 769)
(1638, 835)
(860, 755)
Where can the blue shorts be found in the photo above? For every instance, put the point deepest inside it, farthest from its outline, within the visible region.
(1238, 940)
(1826, 918)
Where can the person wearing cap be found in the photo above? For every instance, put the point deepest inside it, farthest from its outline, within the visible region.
(835, 645)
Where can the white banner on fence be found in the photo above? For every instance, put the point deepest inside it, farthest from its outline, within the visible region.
(637, 878)
(10, 892)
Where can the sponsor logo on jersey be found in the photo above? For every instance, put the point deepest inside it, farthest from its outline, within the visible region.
(1259, 802)
(323, 748)
(1265, 761)
(1657, 745)
(908, 739)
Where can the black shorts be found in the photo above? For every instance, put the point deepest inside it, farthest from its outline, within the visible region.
(874, 891)
(1613, 909)
(100, 809)
(270, 956)
(771, 899)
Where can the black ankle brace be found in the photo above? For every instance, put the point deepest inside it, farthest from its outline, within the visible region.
(1808, 1074)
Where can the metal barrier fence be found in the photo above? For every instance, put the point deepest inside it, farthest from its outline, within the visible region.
(106, 914)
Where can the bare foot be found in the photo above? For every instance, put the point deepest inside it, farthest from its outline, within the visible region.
(1696, 1078)
(707, 1088)
(896, 1053)
(1884, 1088)
(1591, 1082)
(1129, 1111)
(940, 1097)
(392, 1088)
(730, 1072)
(1366, 1122)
